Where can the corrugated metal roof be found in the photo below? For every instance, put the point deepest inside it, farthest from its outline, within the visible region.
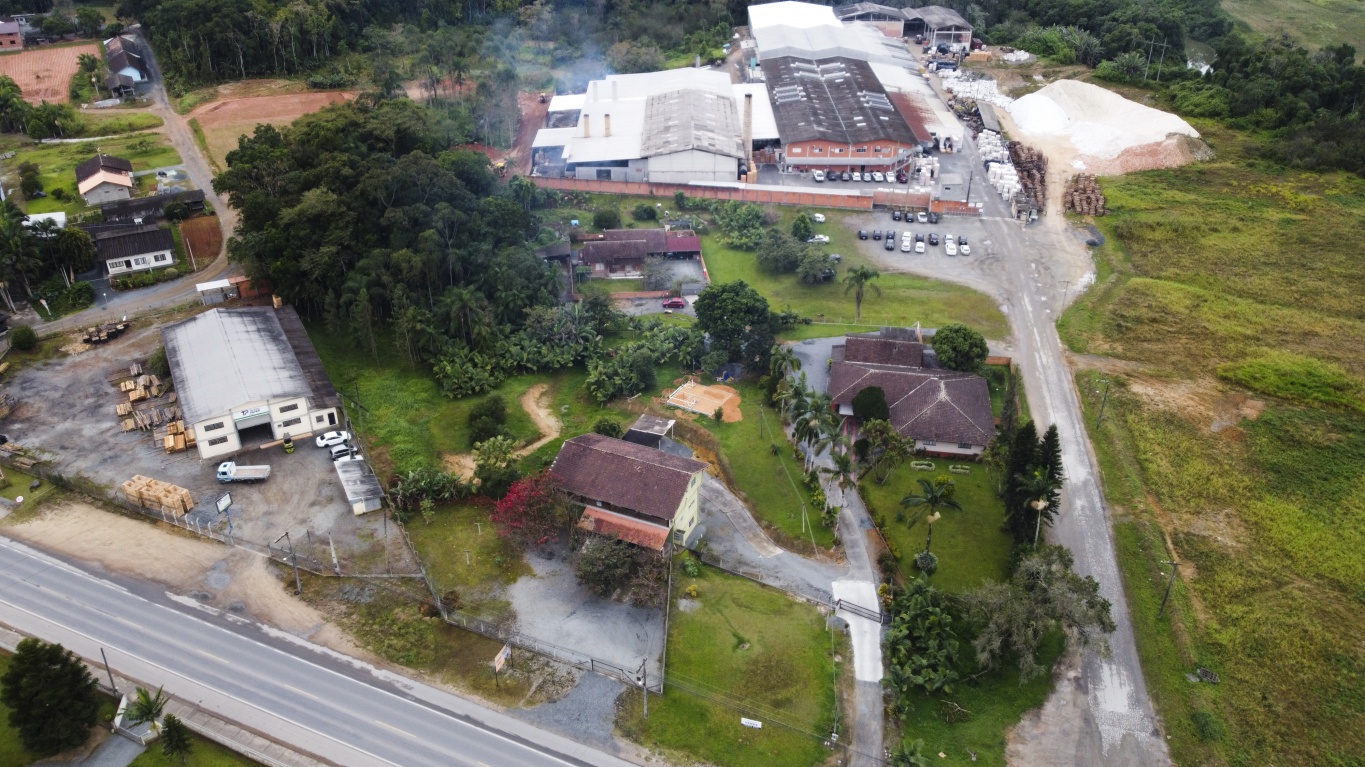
(937, 17)
(764, 122)
(681, 120)
(837, 100)
(358, 481)
(790, 13)
(226, 358)
(853, 41)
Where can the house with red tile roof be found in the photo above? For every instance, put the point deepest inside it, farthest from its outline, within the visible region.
(945, 412)
(629, 491)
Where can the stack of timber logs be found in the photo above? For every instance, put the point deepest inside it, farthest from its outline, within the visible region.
(1032, 168)
(1083, 195)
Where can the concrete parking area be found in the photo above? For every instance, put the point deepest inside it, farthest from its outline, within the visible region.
(65, 412)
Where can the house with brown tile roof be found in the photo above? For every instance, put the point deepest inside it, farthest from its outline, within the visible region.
(945, 412)
(629, 491)
(621, 253)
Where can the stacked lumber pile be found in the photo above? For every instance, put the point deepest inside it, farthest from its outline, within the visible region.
(157, 495)
(6, 405)
(177, 438)
(1032, 168)
(1083, 195)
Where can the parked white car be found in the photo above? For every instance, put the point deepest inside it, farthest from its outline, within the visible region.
(905, 246)
(822, 239)
(950, 247)
(818, 218)
(818, 175)
(857, 176)
(878, 176)
(922, 217)
(919, 247)
(965, 250)
(333, 438)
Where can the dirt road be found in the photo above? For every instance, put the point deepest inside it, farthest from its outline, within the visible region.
(133, 303)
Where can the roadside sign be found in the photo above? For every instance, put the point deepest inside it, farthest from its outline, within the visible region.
(224, 502)
(502, 657)
(754, 723)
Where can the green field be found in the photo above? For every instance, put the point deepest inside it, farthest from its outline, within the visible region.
(408, 422)
(771, 484)
(442, 545)
(904, 299)
(57, 163)
(970, 544)
(109, 122)
(1218, 278)
(206, 754)
(757, 649)
(1314, 23)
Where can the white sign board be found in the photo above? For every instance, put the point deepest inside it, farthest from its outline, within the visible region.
(502, 656)
(224, 502)
(754, 723)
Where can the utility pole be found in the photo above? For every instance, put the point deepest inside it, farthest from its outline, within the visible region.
(644, 686)
(112, 686)
(294, 560)
(1100, 418)
(1066, 292)
(1174, 567)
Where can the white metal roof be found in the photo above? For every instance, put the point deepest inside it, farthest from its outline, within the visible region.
(852, 41)
(765, 124)
(59, 217)
(553, 137)
(789, 13)
(224, 359)
(215, 285)
(568, 102)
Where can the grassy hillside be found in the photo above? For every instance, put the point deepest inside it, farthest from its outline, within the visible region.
(1315, 23)
(1234, 442)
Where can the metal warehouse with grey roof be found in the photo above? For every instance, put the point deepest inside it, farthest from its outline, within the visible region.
(235, 369)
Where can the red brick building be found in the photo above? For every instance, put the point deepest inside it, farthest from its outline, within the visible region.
(11, 36)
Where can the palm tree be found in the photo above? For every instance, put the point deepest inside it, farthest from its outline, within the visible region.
(933, 496)
(843, 470)
(859, 279)
(782, 362)
(1042, 487)
(147, 707)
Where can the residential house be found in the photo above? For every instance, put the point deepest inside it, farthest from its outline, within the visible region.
(11, 36)
(127, 67)
(632, 492)
(104, 178)
(946, 413)
(621, 253)
(135, 249)
(149, 210)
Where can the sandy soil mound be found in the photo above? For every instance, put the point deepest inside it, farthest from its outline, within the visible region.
(1106, 132)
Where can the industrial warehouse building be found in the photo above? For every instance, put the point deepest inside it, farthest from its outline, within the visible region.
(236, 370)
(678, 126)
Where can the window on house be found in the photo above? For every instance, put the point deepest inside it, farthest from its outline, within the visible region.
(217, 440)
(319, 419)
(839, 150)
(214, 426)
(291, 422)
(604, 174)
(140, 261)
(161, 257)
(797, 150)
(928, 442)
(678, 537)
(965, 445)
(289, 408)
(877, 149)
(861, 150)
(818, 150)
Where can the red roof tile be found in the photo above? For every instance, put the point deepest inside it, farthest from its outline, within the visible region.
(624, 475)
(613, 525)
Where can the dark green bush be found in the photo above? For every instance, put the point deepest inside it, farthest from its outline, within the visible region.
(23, 338)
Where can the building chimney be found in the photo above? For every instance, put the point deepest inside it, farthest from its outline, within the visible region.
(606, 122)
(587, 125)
(748, 135)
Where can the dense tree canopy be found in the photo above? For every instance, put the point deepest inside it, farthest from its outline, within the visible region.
(51, 697)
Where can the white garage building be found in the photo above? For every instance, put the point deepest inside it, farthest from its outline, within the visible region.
(235, 370)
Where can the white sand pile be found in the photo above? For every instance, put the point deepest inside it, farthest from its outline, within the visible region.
(1106, 131)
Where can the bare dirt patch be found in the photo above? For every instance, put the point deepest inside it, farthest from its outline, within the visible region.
(203, 237)
(703, 399)
(227, 118)
(533, 402)
(459, 464)
(44, 74)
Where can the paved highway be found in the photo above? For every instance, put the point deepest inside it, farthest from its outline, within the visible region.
(318, 701)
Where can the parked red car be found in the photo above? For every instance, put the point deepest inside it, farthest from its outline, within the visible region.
(675, 303)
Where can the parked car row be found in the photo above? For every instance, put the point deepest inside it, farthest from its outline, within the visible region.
(916, 241)
(900, 177)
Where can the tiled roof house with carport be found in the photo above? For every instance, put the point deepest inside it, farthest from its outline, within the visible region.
(632, 492)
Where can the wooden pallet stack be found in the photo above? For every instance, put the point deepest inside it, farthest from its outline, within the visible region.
(177, 438)
(157, 495)
(1083, 195)
(1032, 168)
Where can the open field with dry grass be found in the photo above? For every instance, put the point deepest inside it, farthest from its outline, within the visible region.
(44, 74)
(224, 120)
(1315, 23)
(204, 238)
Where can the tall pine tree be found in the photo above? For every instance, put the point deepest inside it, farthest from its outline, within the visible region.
(1022, 459)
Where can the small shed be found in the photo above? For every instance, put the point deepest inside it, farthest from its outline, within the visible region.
(650, 431)
(215, 292)
(363, 492)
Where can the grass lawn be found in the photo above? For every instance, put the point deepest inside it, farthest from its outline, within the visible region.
(755, 647)
(109, 122)
(206, 754)
(904, 299)
(621, 286)
(1314, 23)
(970, 544)
(771, 484)
(454, 530)
(1203, 277)
(16, 484)
(408, 422)
(58, 163)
